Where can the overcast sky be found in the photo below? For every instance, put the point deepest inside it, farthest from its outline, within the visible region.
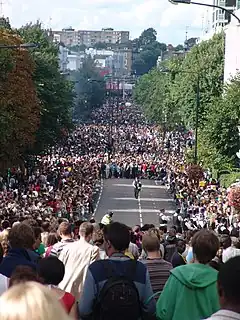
(169, 20)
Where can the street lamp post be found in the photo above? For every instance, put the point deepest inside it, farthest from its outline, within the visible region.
(206, 5)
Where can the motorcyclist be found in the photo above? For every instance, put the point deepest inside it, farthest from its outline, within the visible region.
(137, 187)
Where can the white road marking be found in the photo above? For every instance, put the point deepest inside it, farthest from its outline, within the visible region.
(140, 210)
(99, 198)
(147, 199)
(145, 186)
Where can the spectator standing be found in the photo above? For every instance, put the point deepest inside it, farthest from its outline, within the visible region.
(158, 268)
(99, 241)
(229, 250)
(65, 233)
(51, 271)
(170, 245)
(100, 285)
(191, 291)
(30, 301)
(21, 238)
(228, 290)
(178, 258)
(3, 279)
(77, 257)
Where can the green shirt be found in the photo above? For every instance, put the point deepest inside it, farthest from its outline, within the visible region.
(41, 249)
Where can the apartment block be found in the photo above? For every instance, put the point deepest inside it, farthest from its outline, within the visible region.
(72, 37)
(221, 18)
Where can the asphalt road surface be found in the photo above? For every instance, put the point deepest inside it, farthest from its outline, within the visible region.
(117, 195)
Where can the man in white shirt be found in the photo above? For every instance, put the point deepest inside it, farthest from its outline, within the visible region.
(229, 250)
(76, 257)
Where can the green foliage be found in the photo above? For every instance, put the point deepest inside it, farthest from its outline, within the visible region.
(147, 50)
(77, 48)
(100, 45)
(229, 178)
(54, 91)
(90, 89)
(205, 61)
(170, 98)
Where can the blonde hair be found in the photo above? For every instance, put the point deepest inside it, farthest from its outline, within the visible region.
(31, 301)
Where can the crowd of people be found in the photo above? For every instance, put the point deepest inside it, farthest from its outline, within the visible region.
(57, 262)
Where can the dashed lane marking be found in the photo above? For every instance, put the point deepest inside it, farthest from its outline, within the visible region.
(140, 211)
(99, 198)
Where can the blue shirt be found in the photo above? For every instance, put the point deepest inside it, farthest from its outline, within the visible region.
(96, 278)
(15, 257)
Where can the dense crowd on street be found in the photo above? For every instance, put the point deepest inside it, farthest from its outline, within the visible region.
(57, 262)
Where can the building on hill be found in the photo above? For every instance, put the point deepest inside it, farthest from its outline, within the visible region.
(89, 38)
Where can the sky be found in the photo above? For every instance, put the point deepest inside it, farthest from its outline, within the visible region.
(170, 21)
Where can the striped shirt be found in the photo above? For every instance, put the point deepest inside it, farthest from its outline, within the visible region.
(57, 247)
(159, 272)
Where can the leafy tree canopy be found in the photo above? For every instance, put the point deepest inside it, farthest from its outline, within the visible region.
(168, 96)
(54, 91)
(89, 87)
(19, 104)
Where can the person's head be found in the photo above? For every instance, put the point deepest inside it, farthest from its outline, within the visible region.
(86, 231)
(98, 238)
(116, 238)
(38, 239)
(181, 246)
(21, 236)
(5, 224)
(45, 226)
(23, 274)
(51, 239)
(225, 241)
(150, 243)
(65, 230)
(111, 214)
(229, 283)
(31, 300)
(205, 245)
(51, 270)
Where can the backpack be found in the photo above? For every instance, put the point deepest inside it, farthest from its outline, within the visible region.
(119, 297)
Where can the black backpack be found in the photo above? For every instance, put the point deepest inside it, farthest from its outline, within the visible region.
(119, 297)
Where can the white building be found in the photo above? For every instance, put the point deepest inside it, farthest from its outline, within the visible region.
(232, 48)
(63, 58)
(221, 18)
(75, 61)
(94, 52)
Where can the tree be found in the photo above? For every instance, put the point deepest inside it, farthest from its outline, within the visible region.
(206, 61)
(19, 104)
(172, 96)
(153, 94)
(147, 37)
(89, 87)
(179, 47)
(78, 48)
(100, 45)
(54, 91)
(221, 128)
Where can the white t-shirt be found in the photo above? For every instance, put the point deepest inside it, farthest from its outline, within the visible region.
(229, 253)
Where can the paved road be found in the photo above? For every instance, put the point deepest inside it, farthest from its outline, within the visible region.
(118, 196)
